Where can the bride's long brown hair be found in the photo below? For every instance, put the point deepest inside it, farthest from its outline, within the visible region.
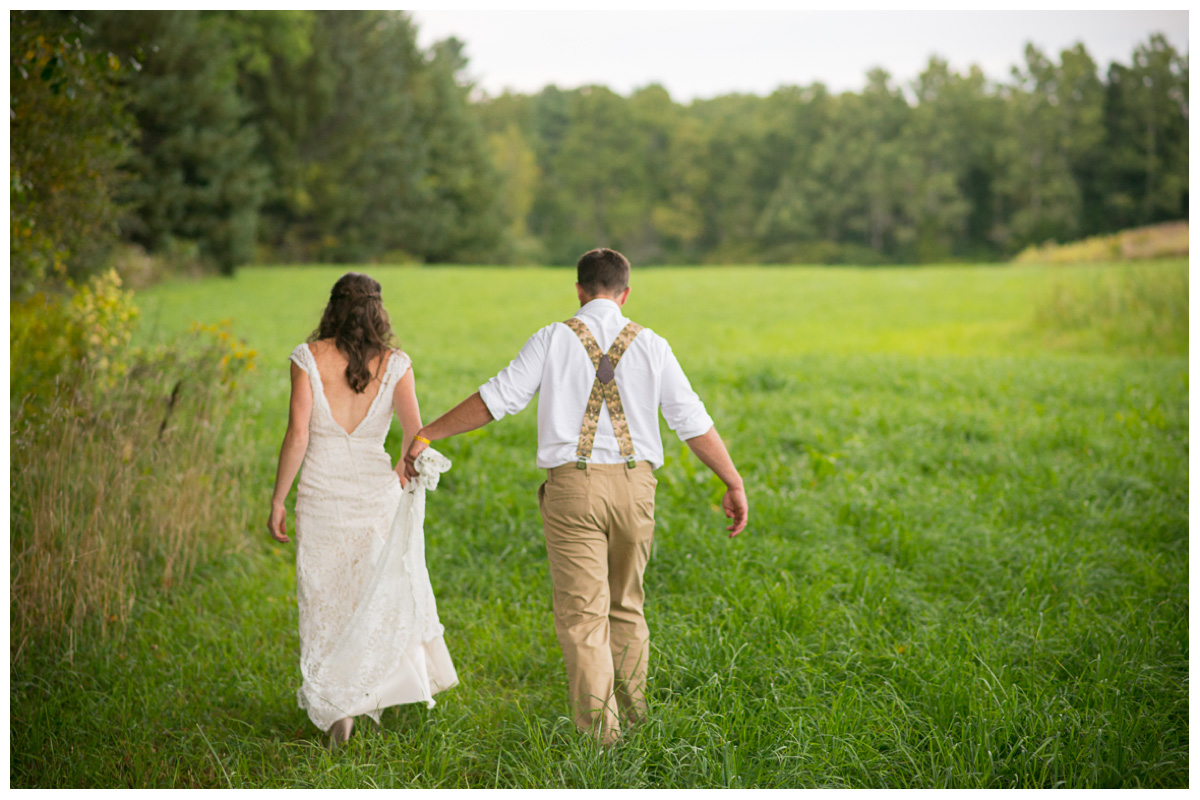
(356, 321)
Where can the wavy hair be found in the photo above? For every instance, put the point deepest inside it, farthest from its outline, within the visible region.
(356, 321)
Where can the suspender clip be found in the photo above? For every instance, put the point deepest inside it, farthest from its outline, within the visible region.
(581, 464)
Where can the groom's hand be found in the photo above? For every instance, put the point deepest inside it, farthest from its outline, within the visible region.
(736, 508)
(410, 458)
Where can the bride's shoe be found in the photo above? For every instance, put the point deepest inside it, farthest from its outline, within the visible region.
(339, 732)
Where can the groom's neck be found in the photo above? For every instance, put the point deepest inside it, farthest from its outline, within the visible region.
(585, 298)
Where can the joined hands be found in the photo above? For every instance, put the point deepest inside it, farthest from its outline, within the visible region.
(410, 458)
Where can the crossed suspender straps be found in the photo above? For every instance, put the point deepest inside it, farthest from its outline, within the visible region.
(604, 390)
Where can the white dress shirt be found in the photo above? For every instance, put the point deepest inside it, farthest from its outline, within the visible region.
(555, 363)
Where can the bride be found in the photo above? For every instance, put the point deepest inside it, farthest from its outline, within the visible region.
(369, 631)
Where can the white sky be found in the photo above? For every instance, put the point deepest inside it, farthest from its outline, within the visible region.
(707, 53)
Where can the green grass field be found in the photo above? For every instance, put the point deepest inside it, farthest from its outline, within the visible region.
(966, 565)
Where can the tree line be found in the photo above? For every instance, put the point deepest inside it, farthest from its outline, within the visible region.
(292, 136)
(298, 136)
(958, 167)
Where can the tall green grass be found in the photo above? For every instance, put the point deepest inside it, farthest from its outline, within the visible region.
(125, 465)
(1136, 309)
(967, 563)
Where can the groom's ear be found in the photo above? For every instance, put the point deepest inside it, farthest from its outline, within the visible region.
(582, 295)
(623, 296)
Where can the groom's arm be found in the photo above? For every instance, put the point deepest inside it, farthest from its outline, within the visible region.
(711, 451)
(507, 393)
(685, 414)
(468, 415)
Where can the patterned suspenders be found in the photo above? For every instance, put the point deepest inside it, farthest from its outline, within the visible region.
(604, 390)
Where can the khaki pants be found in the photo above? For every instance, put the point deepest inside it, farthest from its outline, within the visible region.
(599, 524)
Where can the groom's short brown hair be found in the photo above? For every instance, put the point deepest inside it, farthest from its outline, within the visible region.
(602, 271)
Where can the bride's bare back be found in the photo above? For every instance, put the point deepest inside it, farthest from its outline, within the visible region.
(349, 407)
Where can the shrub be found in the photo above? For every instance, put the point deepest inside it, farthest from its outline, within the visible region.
(53, 338)
(139, 269)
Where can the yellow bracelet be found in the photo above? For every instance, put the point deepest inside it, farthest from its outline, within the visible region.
(422, 439)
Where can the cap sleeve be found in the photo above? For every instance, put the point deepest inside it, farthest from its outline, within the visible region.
(302, 356)
(398, 364)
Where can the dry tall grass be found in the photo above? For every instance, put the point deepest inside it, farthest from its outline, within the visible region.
(121, 487)
(1164, 240)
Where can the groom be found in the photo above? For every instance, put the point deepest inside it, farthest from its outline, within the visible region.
(602, 380)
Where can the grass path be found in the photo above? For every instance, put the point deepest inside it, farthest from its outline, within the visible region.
(967, 563)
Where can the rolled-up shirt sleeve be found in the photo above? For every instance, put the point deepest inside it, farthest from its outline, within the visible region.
(515, 385)
(681, 407)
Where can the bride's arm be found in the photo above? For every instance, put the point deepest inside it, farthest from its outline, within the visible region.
(404, 400)
(291, 454)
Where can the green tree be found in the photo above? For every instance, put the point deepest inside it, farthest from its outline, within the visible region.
(673, 153)
(600, 170)
(876, 120)
(1054, 125)
(193, 175)
(460, 218)
(1080, 95)
(1146, 179)
(335, 100)
(373, 149)
(944, 145)
(68, 135)
(845, 178)
(519, 173)
(550, 219)
(272, 50)
(799, 149)
(729, 199)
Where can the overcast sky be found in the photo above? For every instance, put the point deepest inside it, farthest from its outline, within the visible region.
(707, 53)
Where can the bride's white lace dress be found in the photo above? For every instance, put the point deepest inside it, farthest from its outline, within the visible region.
(369, 631)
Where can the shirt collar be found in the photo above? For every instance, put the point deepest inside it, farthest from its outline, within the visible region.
(601, 307)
